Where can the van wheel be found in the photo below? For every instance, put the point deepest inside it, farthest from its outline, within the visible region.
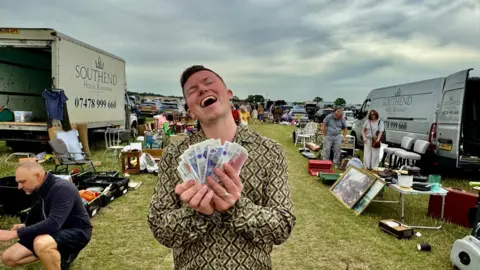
(357, 144)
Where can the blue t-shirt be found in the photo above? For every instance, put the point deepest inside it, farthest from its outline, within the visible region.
(334, 126)
(54, 101)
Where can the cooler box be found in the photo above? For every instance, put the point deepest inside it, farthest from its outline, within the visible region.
(457, 205)
(13, 200)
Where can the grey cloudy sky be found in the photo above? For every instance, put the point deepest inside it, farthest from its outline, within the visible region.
(292, 50)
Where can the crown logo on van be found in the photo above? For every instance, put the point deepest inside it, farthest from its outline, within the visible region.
(398, 92)
(99, 64)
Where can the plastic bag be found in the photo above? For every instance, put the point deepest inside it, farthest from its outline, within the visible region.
(148, 163)
(355, 162)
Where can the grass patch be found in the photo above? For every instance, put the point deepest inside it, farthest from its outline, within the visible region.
(327, 235)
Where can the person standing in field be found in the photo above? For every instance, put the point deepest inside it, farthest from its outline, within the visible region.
(372, 133)
(334, 129)
(233, 224)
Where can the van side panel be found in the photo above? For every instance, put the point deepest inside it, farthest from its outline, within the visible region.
(94, 84)
(408, 109)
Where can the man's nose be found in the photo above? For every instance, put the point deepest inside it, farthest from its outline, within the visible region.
(20, 186)
(203, 88)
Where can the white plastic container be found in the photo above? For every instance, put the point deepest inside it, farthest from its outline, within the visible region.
(23, 116)
(405, 180)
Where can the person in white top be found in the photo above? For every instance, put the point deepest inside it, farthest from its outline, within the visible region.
(372, 132)
(255, 115)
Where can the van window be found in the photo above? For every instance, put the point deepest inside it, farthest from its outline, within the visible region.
(366, 106)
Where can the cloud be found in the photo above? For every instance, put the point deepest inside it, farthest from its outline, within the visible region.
(292, 50)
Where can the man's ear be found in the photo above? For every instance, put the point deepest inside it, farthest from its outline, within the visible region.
(230, 94)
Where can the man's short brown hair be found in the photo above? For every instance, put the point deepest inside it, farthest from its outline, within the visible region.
(187, 73)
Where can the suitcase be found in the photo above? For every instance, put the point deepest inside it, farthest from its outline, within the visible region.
(457, 205)
(317, 166)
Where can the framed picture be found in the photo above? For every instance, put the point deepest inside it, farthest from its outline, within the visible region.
(352, 185)
(367, 199)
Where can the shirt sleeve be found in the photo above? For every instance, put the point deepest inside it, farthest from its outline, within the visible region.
(63, 97)
(172, 223)
(365, 124)
(327, 118)
(273, 221)
(381, 126)
(344, 123)
(62, 201)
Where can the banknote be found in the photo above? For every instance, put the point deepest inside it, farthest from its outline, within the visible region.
(200, 160)
(238, 159)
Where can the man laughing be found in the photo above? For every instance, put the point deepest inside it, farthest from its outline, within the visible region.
(232, 224)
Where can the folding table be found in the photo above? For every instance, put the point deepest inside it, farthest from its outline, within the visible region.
(409, 191)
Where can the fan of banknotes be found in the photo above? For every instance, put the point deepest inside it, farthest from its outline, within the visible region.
(199, 160)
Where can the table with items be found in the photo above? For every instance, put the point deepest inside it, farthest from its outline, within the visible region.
(409, 191)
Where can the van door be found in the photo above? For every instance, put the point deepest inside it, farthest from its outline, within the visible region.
(450, 116)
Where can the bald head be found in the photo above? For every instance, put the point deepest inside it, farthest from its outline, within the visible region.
(338, 113)
(30, 176)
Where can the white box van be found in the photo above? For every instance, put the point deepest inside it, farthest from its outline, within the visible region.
(444, 111)
(36, 60)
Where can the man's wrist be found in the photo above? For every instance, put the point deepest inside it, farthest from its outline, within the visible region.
(14, 235)
(232, 211)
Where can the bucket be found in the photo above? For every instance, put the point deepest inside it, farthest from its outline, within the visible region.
(434, 180)
(405, 180)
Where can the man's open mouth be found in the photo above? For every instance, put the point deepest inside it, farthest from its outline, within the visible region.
(207, 101)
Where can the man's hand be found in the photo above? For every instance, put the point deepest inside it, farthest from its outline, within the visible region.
(7, 235)
(196, 196)
(17, 226)
(227, 194)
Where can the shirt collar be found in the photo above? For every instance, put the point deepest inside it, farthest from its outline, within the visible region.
(47, 184)
(242, 136)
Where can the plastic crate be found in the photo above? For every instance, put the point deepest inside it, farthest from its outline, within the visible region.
(76, 178)
(119, 184)
(94, 206)
(12, 200)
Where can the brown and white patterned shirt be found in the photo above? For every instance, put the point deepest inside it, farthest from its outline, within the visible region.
(242, 237)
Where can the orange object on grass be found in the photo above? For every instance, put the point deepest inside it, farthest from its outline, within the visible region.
(88, 195)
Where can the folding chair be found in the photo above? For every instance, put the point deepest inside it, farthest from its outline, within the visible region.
(64, 159)
(389, 152)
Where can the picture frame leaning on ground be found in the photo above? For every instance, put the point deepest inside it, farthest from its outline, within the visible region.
(360, 207)
(352, 186)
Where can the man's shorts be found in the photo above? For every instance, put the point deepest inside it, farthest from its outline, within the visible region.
(68, 241)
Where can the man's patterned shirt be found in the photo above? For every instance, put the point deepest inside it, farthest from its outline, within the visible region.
(242, 237)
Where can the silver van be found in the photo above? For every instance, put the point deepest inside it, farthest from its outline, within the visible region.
(444, 111)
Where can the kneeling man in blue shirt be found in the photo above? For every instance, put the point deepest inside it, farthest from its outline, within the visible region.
(57, 227)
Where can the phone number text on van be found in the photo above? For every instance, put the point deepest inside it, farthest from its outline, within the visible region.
(399, 125)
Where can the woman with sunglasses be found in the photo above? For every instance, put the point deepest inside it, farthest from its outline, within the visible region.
(372, 132)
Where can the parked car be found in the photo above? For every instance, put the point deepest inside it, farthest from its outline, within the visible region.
(300, 114)
(311, 109)
(149, 108)
(349, 117)
(321, 114)
(169, 108)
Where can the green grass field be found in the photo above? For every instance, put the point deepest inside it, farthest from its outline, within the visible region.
(327, 234)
